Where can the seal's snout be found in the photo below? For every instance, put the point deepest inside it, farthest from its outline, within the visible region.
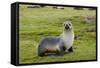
(66, 27)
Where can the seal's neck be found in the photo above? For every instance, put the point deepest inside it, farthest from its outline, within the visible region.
(68, 31)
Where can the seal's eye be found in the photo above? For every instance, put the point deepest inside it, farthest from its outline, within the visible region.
(64, 24)
(69, 24)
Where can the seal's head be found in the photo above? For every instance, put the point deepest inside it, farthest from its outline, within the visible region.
(67, 25)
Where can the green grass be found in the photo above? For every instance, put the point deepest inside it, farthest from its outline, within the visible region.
(36, 23)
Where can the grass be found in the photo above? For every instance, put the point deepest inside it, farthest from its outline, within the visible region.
(35, 23)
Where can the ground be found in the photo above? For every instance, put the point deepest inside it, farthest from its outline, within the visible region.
(36, 23)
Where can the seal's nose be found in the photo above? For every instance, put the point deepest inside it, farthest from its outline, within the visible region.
(66, 27)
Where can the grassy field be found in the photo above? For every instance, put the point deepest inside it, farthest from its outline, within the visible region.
(36, 23)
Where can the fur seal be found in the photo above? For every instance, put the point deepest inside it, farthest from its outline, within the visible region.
(60, 44)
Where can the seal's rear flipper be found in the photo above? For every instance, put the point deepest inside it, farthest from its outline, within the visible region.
(41, 54)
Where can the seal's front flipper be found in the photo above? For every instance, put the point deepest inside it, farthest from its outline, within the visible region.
(70, 49)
